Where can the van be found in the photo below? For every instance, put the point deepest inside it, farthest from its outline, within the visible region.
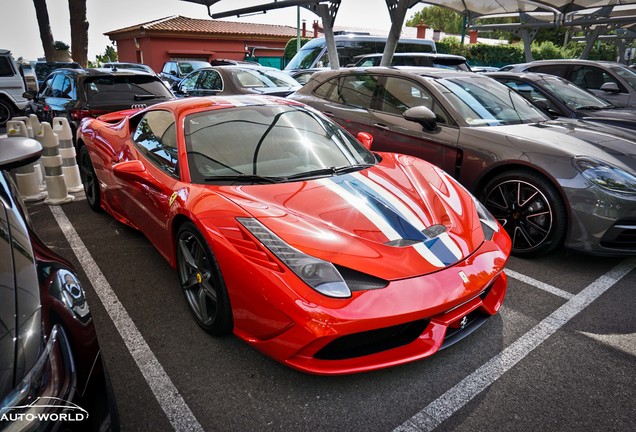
(314, 53)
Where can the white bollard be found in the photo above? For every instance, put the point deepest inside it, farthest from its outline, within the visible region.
(33, 127)
(25, 176)
(69, 163)
(52, 163)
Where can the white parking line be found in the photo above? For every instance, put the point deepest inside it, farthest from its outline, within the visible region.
(538, 284)
(169, 398)
(457, 397)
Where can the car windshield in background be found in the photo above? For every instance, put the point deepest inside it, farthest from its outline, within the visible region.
(627, 74)
(257, 78)
(485, 102)
(571, 95)
(276, 143)
(187, 67)
(133, 88)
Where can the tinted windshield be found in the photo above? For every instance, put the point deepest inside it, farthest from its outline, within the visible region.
(126, 88)
(304, 59)
(627, 74)
(483, 101)
(261, 77)
(571, 95)
(274, 141)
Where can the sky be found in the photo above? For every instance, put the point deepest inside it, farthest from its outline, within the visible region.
(19, 29)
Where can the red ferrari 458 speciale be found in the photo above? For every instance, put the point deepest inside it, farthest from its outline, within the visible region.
(289, 232)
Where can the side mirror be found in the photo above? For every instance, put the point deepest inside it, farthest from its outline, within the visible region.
(610, 87)
(28, 95)
(134, 170)
(422, 115)
(18, 151)
(366, 139)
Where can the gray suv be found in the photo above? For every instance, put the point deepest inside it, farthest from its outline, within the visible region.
(614, 82)
(174, 71)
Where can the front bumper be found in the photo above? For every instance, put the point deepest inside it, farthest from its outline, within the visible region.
(408, 320)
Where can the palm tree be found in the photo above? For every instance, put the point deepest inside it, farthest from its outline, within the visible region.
(79, 31)
(42, 14)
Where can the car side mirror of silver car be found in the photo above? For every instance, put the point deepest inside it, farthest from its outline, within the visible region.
(18, 151)
(610, 87)
(422, 115)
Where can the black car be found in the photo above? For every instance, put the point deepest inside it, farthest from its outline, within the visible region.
(51, 372)
(174, 71)
(79, 93)
(235, 80)
(559, 97)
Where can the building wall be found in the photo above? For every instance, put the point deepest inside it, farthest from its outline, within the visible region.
(156, 50)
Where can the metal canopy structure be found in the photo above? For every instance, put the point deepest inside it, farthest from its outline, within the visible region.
(595, 18)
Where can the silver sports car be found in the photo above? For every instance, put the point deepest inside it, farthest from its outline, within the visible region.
(548, 182)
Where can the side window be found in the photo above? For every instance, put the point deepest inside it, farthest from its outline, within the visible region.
(211, 80)
(166, 68)
(591, 77)
(189, 82)
(399, 94)
(57, 85)
(173, 69)
(5, 67)
(355, 90)
(156, 138)
(324, 90)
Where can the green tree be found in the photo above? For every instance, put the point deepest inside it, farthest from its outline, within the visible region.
(110, 55)
(44, 25)
(438, 18)
(79, 31)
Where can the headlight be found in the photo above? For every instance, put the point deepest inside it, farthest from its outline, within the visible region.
(488, 223)
(606, 176)
(318, 274)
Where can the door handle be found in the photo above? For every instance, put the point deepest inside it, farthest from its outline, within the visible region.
(381, 126)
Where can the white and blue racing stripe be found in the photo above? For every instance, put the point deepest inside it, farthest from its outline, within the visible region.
(393, 218)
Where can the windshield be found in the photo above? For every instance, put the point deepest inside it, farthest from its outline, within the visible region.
(304, 59)
(483, 101)
(627, 74)
(571, 95)
(271, 141)
(125, 88)
(261, 77)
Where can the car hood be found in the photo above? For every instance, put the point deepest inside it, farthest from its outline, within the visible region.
(399, 219)
(613, 145)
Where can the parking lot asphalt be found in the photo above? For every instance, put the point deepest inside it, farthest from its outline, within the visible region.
(561, 354)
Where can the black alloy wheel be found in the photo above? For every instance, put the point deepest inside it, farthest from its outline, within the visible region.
(202, 282)
(6, 112)
(529, 208)
(89, 180)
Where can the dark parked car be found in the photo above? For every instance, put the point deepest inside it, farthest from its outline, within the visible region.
(50, 362)
(611, 81)
(43, 69)
(237, 79)
(174, 71)
(559, 97)
(447, 61)
(79, 93)
(123, 65)
(548, 182)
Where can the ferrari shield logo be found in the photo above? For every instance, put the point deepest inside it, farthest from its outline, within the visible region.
(172, 198)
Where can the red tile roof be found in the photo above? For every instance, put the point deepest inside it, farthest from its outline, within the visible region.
(181, 24)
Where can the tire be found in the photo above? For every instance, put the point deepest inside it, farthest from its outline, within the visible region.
(529, 208)
(89, 180)
(202, 282)
(6, 112)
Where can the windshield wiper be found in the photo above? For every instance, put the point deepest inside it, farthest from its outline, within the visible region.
(248, 178)
(328, 171)
(593, 107)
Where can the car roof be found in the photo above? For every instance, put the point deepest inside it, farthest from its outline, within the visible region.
(412, 54)
(402, 70)
(530, 76)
